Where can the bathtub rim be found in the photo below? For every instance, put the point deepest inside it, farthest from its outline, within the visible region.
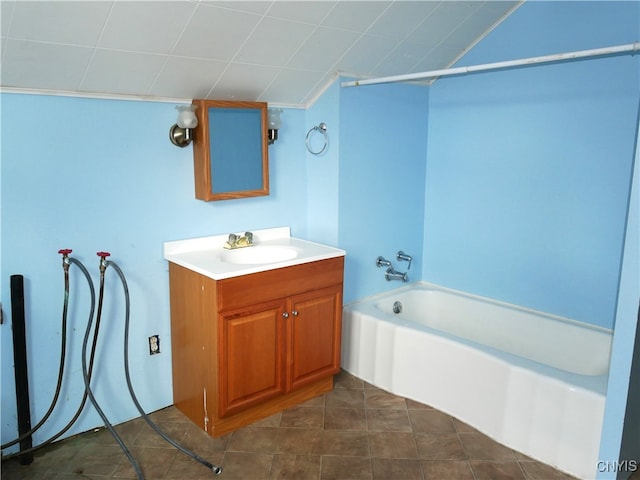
(433, 286)
(593, 383)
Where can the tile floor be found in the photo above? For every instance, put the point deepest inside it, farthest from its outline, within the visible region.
(357, 431)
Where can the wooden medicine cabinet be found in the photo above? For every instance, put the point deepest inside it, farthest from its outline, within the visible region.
(230, 154)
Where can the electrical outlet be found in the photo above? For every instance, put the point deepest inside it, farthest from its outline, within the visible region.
(154, 344)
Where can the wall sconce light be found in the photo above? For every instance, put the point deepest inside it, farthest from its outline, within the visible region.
(181, 133)
(275, 123)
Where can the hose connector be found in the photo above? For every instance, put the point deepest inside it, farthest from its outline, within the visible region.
(65, 257)
(103, 260)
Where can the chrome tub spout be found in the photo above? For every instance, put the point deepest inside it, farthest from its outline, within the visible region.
(392, 274)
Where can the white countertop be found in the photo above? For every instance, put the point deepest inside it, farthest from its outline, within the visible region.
(207, 255)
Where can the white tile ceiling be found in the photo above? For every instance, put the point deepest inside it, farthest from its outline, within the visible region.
(281, 52)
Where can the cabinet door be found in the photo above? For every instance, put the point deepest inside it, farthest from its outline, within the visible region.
(251, 352)
(316, 328)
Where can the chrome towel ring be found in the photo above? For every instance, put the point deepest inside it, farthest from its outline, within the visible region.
(322, 128)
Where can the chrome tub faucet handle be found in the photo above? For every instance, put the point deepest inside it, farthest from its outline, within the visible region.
(401, 256)
(382, 262)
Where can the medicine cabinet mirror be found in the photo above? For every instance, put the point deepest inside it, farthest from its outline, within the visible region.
(230, 154)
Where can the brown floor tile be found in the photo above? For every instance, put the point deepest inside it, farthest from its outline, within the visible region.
(95, 460)
(344, 398)
(254, 440)
(381, 399)
(202, 444)
(431, 421)
(185, 467)
(462, 427)
(346, 380)
(480, 447)
(243, 466)
(345, 419)
(539, 471)
(496, 470)
(148, 437)
(446, 470)
(127, 431)
(314, 402)
(57, 456)
(303, 417)
(271, 421)
(345, 468)
(439, 447)
(68, 476)
(351, 444)
(168, 414)
(299, 441)
(392, 445)
(357, 431)
(393, 468)
(295, 467)
(154, 463)
(382, 419)
(413, 405)
(12, 470)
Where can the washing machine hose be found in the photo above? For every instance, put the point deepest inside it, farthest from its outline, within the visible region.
(63, 352)
(215, 469)
(66, 263)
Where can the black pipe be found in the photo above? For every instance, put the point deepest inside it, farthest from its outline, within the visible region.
(63, 351)
(20, 362)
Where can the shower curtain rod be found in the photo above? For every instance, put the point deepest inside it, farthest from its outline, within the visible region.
(630, 47)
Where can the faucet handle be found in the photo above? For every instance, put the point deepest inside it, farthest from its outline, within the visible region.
(401, 256)
(382, 262)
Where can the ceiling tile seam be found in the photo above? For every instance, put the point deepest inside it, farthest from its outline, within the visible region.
(217, 5)
(231, 61)
(285, 67)
(483, 35)
(13, 9)
(95, 47)
(173, 48)
(334, 68)
(400, 42)
(314, 30)
(444, 38)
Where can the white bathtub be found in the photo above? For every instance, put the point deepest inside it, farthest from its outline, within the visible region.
(531, 381)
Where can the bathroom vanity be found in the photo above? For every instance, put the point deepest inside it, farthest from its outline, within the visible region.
(254, 330)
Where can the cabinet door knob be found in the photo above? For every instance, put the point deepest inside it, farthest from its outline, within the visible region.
(295, 313)
(285, 314)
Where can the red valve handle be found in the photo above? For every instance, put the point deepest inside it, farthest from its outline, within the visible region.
(103, 255)
(65, 251)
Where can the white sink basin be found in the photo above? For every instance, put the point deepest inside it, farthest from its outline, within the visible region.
(272, 248)
(259, 255)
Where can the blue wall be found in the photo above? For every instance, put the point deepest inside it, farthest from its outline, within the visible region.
(323, 169)
(382, 163)
(94, 175)
(502, 183)
(528, 169)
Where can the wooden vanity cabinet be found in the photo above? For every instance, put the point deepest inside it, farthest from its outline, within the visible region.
(247, 347)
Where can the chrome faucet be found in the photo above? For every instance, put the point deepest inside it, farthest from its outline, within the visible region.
(391, 273)
(239, 241)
